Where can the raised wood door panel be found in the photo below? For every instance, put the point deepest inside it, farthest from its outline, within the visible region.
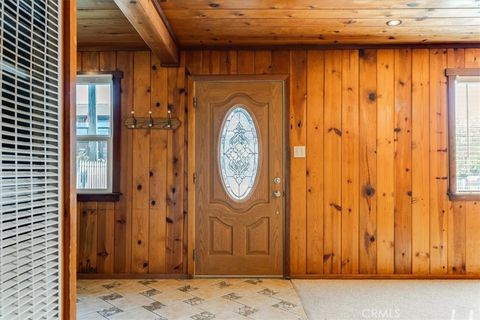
(239, 233)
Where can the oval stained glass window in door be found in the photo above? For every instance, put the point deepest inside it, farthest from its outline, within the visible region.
(238, 152)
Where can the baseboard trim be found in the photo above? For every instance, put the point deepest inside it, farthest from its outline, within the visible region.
(131, 276)
(449, 276)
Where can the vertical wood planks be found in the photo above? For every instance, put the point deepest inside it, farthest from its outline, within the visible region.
(194, 61)
(107, 61)
(90, 61)
(79, 235)
(385, 157)
(457, 237)
(281, 62)
(332, 162)
(158, 170)
(420, 162)
(315, 175)
(263, 61)
(228, 62)
(472, 236)
(87, 256)
(123, 208)
(298, 165)
(472, 60)
(403, 161)
(457, 215)
(206, 62)
(175, 174)
(105, 238)
(350, 162)
(214, 62)
(141, 161)
(368, 161)
(354, 206)
(246, 62)
(439, 205)
(79, 61)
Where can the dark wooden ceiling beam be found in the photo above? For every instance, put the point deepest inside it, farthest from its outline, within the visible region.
(146, 18)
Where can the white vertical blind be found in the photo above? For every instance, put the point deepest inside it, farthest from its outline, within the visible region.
(30, 160)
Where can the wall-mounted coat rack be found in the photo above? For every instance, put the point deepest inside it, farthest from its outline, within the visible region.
(168, 123)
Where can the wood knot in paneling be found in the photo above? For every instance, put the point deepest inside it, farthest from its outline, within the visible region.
(336, 206)
(327, 256)
(368, 191)
(337, 131)
(102, 254)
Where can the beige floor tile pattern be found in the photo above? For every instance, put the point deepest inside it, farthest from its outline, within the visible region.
(196, 299)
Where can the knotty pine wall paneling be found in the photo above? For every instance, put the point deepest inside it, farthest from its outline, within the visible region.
(369, 199)
(143, 233)
(367, 157)
(298, 182)
(315, 175)
(371, 196)
(472, 211)
(439, 204)
(350, 162)
(421, 159)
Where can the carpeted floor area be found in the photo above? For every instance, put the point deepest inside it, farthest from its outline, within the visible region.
(390, 299)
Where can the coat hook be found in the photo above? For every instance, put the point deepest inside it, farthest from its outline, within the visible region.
(169, 122)
(150, 122)
(134, 120)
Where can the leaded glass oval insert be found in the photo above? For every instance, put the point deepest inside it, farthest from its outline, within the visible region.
(238, 152)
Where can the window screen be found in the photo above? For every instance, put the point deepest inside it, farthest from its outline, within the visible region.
(94, 133)
(464, 134)
(30, 159)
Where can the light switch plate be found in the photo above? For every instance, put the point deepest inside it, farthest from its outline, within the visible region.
(299, 151)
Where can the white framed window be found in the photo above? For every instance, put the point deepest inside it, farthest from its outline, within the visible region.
(94, 128)
(464, 133)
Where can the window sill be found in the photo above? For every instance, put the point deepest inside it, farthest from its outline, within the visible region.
(100, 197)
(464, 197)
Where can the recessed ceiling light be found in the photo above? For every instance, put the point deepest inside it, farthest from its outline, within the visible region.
(393, 23)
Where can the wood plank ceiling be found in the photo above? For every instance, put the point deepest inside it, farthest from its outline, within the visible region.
(101, 25)
(197, 23)
(326, 22)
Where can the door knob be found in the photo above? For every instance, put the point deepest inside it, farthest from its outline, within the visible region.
(277, 194)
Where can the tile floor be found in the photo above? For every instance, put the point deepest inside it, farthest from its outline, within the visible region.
(197, 299)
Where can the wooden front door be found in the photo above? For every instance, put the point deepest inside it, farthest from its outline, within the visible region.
(240, 181)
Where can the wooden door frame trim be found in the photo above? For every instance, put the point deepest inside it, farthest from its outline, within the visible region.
(68, 211)
(192, 79)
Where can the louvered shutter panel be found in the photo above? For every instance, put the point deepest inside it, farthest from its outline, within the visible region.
(30, 159)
